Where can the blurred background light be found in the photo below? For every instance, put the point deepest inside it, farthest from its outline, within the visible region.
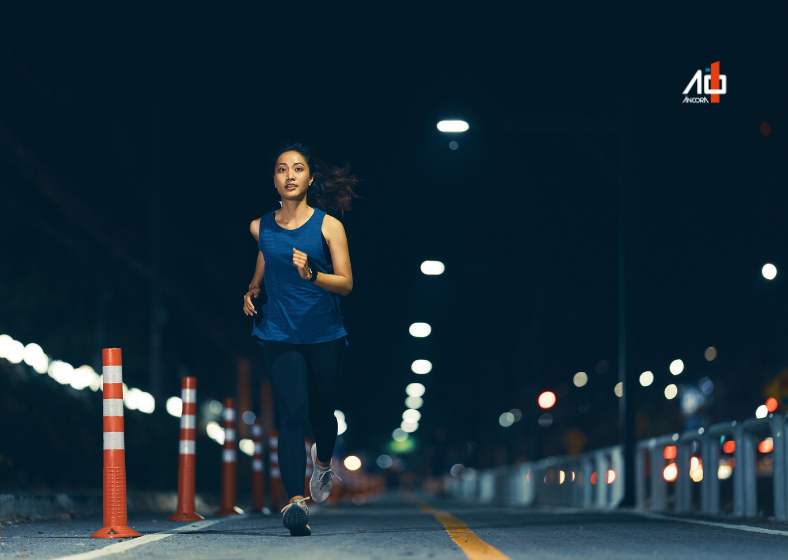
(248, 417)
(676, 367)
(671, 391)
(517, 413)
(546, 420)
(766, 446)
(453, 145)
(456, 470)
(352, 463)
(710, 353)
(646, 378)
(724, 472)
(706, 385)
(399, 435)
(670, 472)
(341, 424)
(506, 419)
(546, 399)
(619, 389)
(215, 407)
(420, 330)
(421, 366)
(34, 357)
(580, 379)
(409, 427)
(415, 389)
(769, 271)
(13, 351)
(670, 452)
(215, 432)
(432, 268)
(384, 461)
(414, 402)
(771, 404)
(729, 446)
(174, 406)
(411, 415)
(452, 126)
(691, 400)
(246, 446)
(761, 411)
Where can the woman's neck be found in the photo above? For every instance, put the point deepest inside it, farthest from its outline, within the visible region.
(294, 212)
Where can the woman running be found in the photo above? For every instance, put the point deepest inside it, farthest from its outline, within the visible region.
(303, 259)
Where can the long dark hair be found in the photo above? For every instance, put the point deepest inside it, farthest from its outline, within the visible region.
(332, 187)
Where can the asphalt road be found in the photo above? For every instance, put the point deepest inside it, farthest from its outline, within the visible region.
(392, 527)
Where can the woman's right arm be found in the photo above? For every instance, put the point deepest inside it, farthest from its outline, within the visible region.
(259, 271)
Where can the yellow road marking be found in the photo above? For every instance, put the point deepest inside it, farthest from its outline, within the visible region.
(473, 547)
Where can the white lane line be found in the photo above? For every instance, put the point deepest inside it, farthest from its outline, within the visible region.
(747, 528)
(131, 543)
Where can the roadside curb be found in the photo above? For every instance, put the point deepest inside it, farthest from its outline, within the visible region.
(29, 507)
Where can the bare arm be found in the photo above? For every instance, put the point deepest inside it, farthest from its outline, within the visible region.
(341, 282)
(259, 271)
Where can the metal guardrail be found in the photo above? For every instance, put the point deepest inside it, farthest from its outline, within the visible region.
(745, 494)
(575, 481)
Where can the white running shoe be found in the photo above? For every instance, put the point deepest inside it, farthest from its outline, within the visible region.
(320, 483)
(296, 518)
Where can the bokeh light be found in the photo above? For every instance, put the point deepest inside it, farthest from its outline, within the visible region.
(546, 420)
(546, 399)
(671, 391)
(414, 402)
(415, 390)
(399, 435)
(676, 367)
(670, 472)
(646, 378)
(453, 145)
(411, 415)
(384, 461)
(761, 411)
(432, 268)
(421, 366)
(771, 404)
(409, 427)
(506, 419)
(580, 379)
(619, 389)
(710, 353)
(174, 406)
(766, 129)
(769, 271)
(452, 126)
(352, 463)
(766, 446)
(420, 330)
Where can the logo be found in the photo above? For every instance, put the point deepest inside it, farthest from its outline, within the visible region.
(712, 84)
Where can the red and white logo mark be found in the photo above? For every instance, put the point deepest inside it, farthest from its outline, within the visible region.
(713, 84)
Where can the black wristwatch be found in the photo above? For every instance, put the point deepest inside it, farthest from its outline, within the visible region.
(314, 275)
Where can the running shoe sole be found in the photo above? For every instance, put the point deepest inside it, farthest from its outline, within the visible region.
(297, 521)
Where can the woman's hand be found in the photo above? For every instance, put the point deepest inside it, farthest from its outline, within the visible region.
(248, 305)
(301, 263)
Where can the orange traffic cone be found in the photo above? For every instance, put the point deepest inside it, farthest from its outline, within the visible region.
(229, 465)
(276, 476)
(115, 519)
(186, 458)
(258, 473)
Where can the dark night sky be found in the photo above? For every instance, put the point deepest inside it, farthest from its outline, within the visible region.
(522, 214)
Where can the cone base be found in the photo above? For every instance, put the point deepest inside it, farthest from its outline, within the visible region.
(235, 510)
(185, 516)
(114, 532)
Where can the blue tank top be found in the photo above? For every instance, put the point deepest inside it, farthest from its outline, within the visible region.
(297, 311)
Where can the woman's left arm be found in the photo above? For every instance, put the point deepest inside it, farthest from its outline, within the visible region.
(341, 282)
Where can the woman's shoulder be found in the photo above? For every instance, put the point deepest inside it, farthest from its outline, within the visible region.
(259, 223)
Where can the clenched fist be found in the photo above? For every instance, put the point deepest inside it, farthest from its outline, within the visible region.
(301, 263)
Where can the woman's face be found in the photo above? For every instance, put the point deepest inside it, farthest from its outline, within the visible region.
(291, 176)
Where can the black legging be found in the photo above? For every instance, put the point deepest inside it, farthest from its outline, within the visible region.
(305, 383)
